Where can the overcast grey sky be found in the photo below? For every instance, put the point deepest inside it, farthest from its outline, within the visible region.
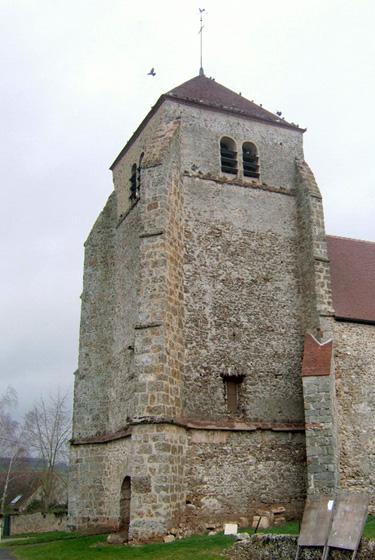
(74, 88)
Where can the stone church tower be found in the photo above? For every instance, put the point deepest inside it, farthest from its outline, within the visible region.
(205, 386)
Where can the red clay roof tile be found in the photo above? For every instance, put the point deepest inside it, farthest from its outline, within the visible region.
(206, 91)
(352, 264)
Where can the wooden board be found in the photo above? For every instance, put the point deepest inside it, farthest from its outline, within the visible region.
(316, 521)
(349, 521)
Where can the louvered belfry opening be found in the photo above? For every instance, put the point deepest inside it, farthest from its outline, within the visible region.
(135, 179)
(133, 182)
(139, 174)
(228, 153)
(250, 160)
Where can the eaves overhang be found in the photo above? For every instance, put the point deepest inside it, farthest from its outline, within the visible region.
(206, 106)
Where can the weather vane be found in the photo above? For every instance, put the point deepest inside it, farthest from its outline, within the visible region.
(201, 10)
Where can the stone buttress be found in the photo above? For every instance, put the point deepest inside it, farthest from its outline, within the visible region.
(318, 372)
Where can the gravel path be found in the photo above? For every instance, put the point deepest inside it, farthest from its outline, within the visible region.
(5, 554)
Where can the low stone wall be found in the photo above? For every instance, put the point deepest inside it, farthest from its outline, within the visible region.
(281, 547)
(37, 523)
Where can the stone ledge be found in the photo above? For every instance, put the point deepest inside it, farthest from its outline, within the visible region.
(231, 426)
(103, 439)
(240, 183)
(238, 426)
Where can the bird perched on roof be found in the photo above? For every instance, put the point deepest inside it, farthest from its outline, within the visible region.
(152, 72)
(278, 113)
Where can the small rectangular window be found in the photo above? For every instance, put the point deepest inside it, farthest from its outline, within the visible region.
(232, 386)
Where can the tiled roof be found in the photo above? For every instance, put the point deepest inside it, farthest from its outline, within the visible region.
(205, 91)
(352, 265)
(22, 485)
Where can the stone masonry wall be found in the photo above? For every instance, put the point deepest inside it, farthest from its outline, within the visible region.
(230, 474)
(158, 475)
(153, 458)
(37, 523)
(241, 275)
(200, 149)
(242, 320)
(243, 302)
(321, 437)
(354, 351)
(95, 478)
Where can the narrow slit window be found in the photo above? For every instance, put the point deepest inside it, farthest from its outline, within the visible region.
(228, 155)
(250, 160)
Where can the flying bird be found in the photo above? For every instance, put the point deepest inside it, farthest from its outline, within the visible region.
(152, 72)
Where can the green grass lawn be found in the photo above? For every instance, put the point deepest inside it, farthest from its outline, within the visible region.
(77, 546)
(197, 547)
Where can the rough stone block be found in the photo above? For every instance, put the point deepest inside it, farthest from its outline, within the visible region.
(277, 509)
(280, 520)
(260, 522)
(169, 538)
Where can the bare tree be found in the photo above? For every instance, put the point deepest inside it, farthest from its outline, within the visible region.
(47, 428)
(12, 445)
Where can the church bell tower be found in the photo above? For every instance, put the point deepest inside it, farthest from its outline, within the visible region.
(202, 276)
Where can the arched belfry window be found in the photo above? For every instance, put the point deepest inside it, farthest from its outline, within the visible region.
(228, 154)
(250, 160)
(135, 179)
(133, 182)
(139, 173)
